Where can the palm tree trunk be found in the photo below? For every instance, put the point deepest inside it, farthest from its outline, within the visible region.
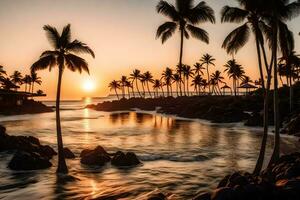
(143, 89)
(25, 87)
(149, 90)
(208, 77)
(291, 91)
(187, 86)
(32, 87)
(137, 87)
(276, 150)
(62, 167)
(162, 89)
(259, 62)
(132, 91)
(181, 46)
(117, 94)
(128, 91)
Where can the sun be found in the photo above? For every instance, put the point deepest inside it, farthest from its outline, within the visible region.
(88, 86)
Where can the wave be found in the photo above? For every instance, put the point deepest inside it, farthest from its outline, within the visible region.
(173, 158)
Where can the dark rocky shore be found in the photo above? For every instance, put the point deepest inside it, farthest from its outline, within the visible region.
(28, 107)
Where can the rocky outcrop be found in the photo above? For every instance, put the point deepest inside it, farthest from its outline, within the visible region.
(281, 182)
(291, 125)
(121, 159)
(97, 156)
(68, 153)
(29, 161)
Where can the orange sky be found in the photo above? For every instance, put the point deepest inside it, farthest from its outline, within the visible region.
(122, 34)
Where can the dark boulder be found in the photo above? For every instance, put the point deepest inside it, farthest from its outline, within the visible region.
(122, 160)
(2, 132)
(97, 156)
(28, 161)
(157, 196)
(291, 125)
(224, 193)
(68, 153)
(203, 196)
(47, 151)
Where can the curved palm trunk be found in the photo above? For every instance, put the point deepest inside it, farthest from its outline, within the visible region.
(143, 90)
(137, 87)
(117, 94)
(132, 89)
(171, 90)
(62, 167)
(128, 91)
(276, 150)
(181, 54)
(149, 90)
(187, 86)
(208, 77)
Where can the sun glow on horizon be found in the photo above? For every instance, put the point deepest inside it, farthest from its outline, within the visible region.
(89, 86)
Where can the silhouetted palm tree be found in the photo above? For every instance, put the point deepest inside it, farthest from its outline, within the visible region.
(156, 86)
(27, 81)
(245, 80)
(135, 76)
(2, 72)
(115, 85)
(148, 78)
(234, 71)
(198, 68)
(167, 75)
(197, 83)
(7, 84)
(217, 78)
(17, 78)
(63, 56)
(143, 82)
(123, 83)
(187, 73)
(35, 79)
(177, 80)
(129, 86)
(207, 60)
(185, 17)
(179, 70)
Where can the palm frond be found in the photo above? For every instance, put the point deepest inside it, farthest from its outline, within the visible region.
(75, 63)
(198, 33)
(201, 13)
(44, 62)
(233, 14)
(47, 53)
(165, 27)
(65, 38)
(184, 6)
(286, 39)
(52, 35)
(291, 10)
(236, 39)
(167, 10)
(80, 47)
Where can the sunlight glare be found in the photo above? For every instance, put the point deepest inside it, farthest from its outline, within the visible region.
(88, 86)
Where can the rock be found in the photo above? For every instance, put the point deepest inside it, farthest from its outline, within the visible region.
(28, 161)
(68, 153)
(48, 151)
(224, 193)
(122, 160)
(157, 196)
(97, 156)
(255, 119)
(2, 131)
(203, 196)
(237, 179)
(292, 125)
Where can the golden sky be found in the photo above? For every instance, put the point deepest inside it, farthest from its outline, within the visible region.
(121, 33)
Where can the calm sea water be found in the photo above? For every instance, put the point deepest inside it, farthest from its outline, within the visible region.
(180, 156)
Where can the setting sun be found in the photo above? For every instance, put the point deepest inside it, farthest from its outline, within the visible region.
(88, 86)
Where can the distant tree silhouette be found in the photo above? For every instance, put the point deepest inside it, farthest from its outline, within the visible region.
(115, 85)
(187, 73)
(167, 76)
(207, 60)
(35, 79)
(148, 79)
(17, 78)
(135, 76)
(235, 72)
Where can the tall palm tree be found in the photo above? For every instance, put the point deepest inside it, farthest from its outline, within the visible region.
(167, 75)
(187, 73)
(207, 60)
(185, 17)
(235, 72)
(279, 11)
(123, 83)
(17, 78)
(27, 81)
(197, 83)
(148, 78)
(63, 56)
(217, 78)
(115, 85)
(156, 86)
(135, 76)
(35, 79)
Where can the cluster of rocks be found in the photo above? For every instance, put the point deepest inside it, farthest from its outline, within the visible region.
(291, 125)
(99, 157)
(29, 153)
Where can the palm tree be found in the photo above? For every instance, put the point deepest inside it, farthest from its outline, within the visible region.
(177, 80)
(129, 86)
(123, 83)
(207, 60)
(115, 85)
(17, 78)
(2, 72)
(148, 78)
(187, 73)
(234, 71)
(179, 70)
(35, 79)
(167, 75)
(135, 76)
(198, 68)
(185, 17)
(197, 83)
(143, 82)
(156, 86)
(245, 80)
(7, 84)
(279, 11)
(63, 56)
(217, 78)
(27, 81)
